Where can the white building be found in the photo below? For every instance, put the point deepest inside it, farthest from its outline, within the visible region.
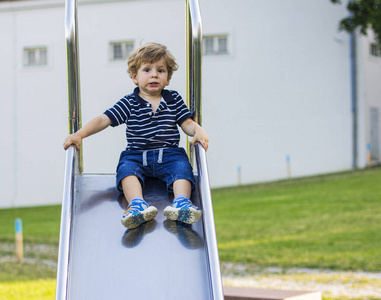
(276, 84)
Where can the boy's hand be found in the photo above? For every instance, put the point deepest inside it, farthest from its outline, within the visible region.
(73, 139)
(191, 128)
(93, 126)
(201, 137)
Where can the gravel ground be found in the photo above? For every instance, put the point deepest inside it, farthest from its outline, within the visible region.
(33, 253)
(332, 284)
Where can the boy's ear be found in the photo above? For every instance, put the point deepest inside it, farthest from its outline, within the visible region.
(134, 79)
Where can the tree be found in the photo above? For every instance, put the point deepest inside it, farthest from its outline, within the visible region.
(365, 14)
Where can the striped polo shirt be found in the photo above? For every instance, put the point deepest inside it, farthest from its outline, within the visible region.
(145, 129)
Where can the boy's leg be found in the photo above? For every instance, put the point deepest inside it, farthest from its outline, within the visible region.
(131, 188)
(182, 187)
(138, 211)
(182, 208)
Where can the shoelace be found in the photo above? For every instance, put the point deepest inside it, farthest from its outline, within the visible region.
(183, 203)
(136, 206)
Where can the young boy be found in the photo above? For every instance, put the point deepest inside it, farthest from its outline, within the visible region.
(151, 115)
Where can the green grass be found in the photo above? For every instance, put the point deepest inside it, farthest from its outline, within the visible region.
(41, 234)
(40, 224)
(330, 221)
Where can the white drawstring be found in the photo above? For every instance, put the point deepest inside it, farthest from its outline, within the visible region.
(145, 159)
(160, 159)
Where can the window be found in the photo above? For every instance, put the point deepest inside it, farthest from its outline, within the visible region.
(121, 50)
(374, 49)
(216, 44)
(35, 56)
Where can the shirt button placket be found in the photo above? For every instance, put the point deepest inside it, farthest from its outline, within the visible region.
(150, 113)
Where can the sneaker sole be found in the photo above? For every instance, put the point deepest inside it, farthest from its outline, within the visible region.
(185, 215)
(148, 214)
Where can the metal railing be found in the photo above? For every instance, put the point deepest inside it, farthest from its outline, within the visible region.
(73, 83)
(209, 227)
(194, 59)
(65, 229)
(194, 65)
(194, 101)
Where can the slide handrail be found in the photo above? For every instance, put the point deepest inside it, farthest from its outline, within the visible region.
(193, 66)
(65, 228)
(209, 227)
(73, 83)
(194, 59)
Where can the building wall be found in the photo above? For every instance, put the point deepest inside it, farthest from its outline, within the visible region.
(34, 100)
(7, 88)
(282, 90)
(286, 90)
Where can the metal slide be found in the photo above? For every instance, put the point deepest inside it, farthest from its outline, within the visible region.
(161, 259)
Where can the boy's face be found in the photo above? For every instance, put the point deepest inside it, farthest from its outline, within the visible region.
(151, 78)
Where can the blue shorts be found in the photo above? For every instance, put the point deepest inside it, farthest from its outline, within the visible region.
(167, 164)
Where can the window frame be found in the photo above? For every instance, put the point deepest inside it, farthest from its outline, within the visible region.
(216, 46)
(35, 56)
(124, 51)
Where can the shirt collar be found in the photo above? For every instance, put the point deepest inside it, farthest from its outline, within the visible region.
(166, 95)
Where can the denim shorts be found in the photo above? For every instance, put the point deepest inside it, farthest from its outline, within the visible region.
(167, 164)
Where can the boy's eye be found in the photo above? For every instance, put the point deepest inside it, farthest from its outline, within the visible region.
(161, 71)
(146, 70)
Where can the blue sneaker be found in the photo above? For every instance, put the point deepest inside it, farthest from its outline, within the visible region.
(137, 213)
(183, 210)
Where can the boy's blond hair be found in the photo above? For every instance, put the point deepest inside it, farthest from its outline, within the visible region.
(150, 53)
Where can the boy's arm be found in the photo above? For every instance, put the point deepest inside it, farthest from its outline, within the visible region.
(93, 126)
(191, 128)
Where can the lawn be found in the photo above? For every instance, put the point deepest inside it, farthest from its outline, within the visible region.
(329, 221)
(40, 224)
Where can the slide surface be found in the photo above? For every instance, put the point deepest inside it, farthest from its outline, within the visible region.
(160, 259)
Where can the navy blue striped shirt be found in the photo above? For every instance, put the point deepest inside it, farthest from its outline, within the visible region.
(148, 130)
